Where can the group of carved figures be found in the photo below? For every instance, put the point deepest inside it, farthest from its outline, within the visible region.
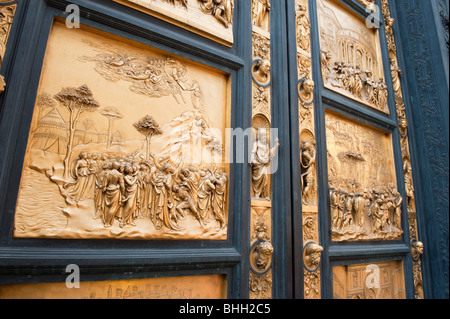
(359, 83)
(126, 188)
(352, 210)
(222, 10)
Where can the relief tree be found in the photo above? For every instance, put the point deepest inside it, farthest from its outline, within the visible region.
(148, 127)
(76, 101)
(45, 101)
(112, 114)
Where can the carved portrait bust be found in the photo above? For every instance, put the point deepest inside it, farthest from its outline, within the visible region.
(311, 256)
(306, 91)
(261, 72)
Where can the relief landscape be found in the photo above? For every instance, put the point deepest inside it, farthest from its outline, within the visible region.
(125, 142)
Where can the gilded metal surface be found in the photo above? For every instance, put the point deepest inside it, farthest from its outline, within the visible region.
(365, 203)
(404, 143)
(369, 281)
(7, 13)
(193, 287)
(212, 19)
(125, 143)
(351, 56)
(261, 249)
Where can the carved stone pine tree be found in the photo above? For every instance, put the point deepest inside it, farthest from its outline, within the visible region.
(76, 101)
(148, 127)
(112, 114)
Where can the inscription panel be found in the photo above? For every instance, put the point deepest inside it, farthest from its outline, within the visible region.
(125, 142)
(365, 203)
(192, 287)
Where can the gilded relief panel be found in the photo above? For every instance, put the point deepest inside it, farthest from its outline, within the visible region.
(369, 281)
(125, 143)
(351, 56)
(210, 18)
(365, 203)
(190, 287)
(262, 153)
(7, 13)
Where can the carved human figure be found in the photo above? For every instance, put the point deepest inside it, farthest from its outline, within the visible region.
(79, 188)
(191, 179)
(260, 164)
(359, 207)
(312, 255)
(303, 28)
(222, 10)
(381, 93)
(308, 160)
(181, 193)
(260, 11)
(163, 183)
(348, 214)
(357, 85)
(92, 174)
(306, 90)
(130, 197)
(99, 200)
(334, 197)
(409, 187)
(159, 200)
(341, 195)
(395, 73)
(218, 202)
(325, 63)
(261, 71)
(377, 213)
(263, 254)
(416, 249)
(113, 188)
(205, 194)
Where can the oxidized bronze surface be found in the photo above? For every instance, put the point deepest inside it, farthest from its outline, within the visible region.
(192, 287)
(125, 142)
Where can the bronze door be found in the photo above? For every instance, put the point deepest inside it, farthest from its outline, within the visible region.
(184, 149)
(355, 232)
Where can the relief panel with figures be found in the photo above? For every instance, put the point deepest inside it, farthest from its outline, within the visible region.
(125, 142)
(351, 56)
(364, 201)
